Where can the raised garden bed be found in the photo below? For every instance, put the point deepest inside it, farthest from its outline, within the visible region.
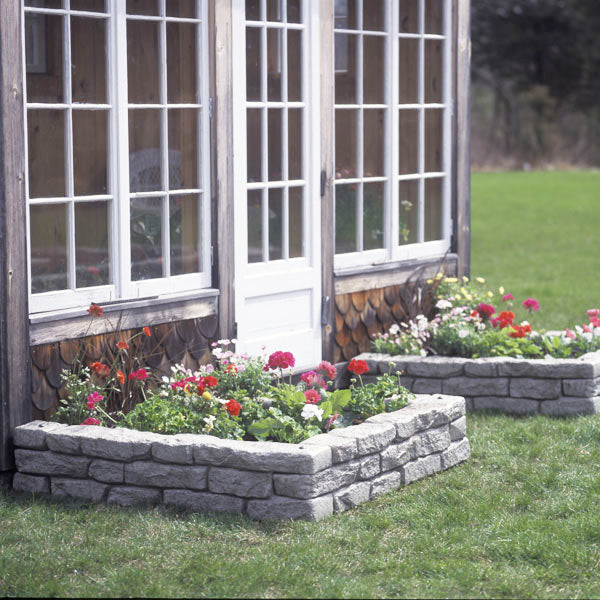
(325, 474)
(557, 387)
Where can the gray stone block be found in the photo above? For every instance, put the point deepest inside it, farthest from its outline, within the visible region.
(204, 501)
(370, 437)
(310, 486)
(436, 366)
(458, 429)
(592, 362)
(547, 368)
(396, 364)
(342, 449)
(147, 472)
(372, 359)
(279, 507)
(407, 382)
(469, 404)
(456, 453)
(427, 386)
(482, 367)
(387, 482)
(535, 389)
(67, 439)
(396, 455)
(583, 388)
(351, 496)
(108, 471)
(369, 466)
(248, 484)
(476, 386)
(433, 440)
(570, 406)
(404, 420)
(33, 435)
(422, 467)
(125, 495)
(511, 406)
(262, 456)
(84, 489)
(49, 463)
(177, 449)
(118, 443)
(31, 483)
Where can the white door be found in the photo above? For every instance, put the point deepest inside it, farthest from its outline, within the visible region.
(276, 162)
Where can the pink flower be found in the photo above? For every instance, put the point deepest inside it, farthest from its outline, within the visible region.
(91, 421)
(312, 396)
(139, 374)
(531, 304)
(593, 312)
(569, 333)
(587, 329)
(92, 399)
(507, 297)
(281, 360)
(313, 379)
(328, 369)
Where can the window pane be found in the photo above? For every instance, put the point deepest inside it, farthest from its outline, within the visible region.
(345, 69)
(88, 60)
(275, 157)
(409, 212)
(273, 10)
(374, 140)
(44, 3)
(294, 11)
(433, 209)
(48, 232)
(346, 122)
(183, 149)
(181, 8)
(409, 71)
(373, 15)
(143, 7)
(89, 5)
(274, 64)
(144, 151)
(345, 218)
(253, 63)
(253, 10)
(433, 70)
(373, 201)
(255, 233)
(409, 16)
(345, 14)
(44, 57)
(181, 63)
(409, 141)
(433, 140)
(46, 150)
(294, 72)
(183, 222)
(254, 144)
(142, 62)
(296, 224)
(91, 244)
(374, 70)
(434, 16)
(146, 238)
(275, 224)
(90, 156)
(295, 143)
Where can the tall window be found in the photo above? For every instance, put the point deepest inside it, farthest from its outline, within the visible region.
(392, 123)
(117, 142)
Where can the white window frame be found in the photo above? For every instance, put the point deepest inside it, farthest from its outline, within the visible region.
(118, 196)
(392, 250)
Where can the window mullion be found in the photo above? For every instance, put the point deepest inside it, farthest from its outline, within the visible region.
(391, 152)
(360, 138)
(421, 93)
(164, 142)
(447, 123)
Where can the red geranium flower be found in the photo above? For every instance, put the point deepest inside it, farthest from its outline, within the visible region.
(358, 366)
(100, 368)
(147, 331)
(231, 368)
(505, 319)
(91, 421)
(139, 374)
(485, 310)
(95, 310)
(121, 377)
(520, 331)
(328, 369)
(281, 360)
(312, 396)
(210, 381)
(507, 297)
(122, 345)
(531, 304)
(233, 407)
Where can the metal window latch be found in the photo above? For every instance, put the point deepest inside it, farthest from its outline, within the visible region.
(325, 310)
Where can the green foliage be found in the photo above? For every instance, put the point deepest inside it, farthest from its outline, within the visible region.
(385, 395)
(78, 385)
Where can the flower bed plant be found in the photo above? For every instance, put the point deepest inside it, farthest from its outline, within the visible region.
(239, 397)
(473, 321)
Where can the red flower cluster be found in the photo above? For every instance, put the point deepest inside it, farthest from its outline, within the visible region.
(233, 407)
(91, 421)
(139, 374)
(531, 304)
(593, 313)
(520, 331)
(100, 368)
(121, 377)
(95, 310)
(358, 366)
(200, 383)
(93, 399)
(280, 360)
(505, 319)
(312, 396)
(485, 311)
(313, 379)
(209, 381)
(147, 331)
(327, 368)
(122, 345)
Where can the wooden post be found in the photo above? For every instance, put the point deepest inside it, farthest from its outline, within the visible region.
(222, 142)
(15, 387)
(462, 136)
(327, 75)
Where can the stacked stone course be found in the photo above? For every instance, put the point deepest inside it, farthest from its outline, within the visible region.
(515, 386)
(266, 480)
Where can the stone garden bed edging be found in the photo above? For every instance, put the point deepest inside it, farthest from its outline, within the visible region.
(515, 386)
(326, 474)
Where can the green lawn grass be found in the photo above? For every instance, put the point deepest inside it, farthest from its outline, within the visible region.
(520, 519)
(538, 235)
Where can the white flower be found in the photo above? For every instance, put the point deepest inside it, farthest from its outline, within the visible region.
(442, 304)
(597, 331)
(310, 410)
(423, 353)
(210, 422)
(394, 329)
(587, 336)
(463, 333)
(223, 342)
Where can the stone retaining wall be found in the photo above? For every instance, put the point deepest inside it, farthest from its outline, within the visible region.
(265, 480)
(517, 386)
